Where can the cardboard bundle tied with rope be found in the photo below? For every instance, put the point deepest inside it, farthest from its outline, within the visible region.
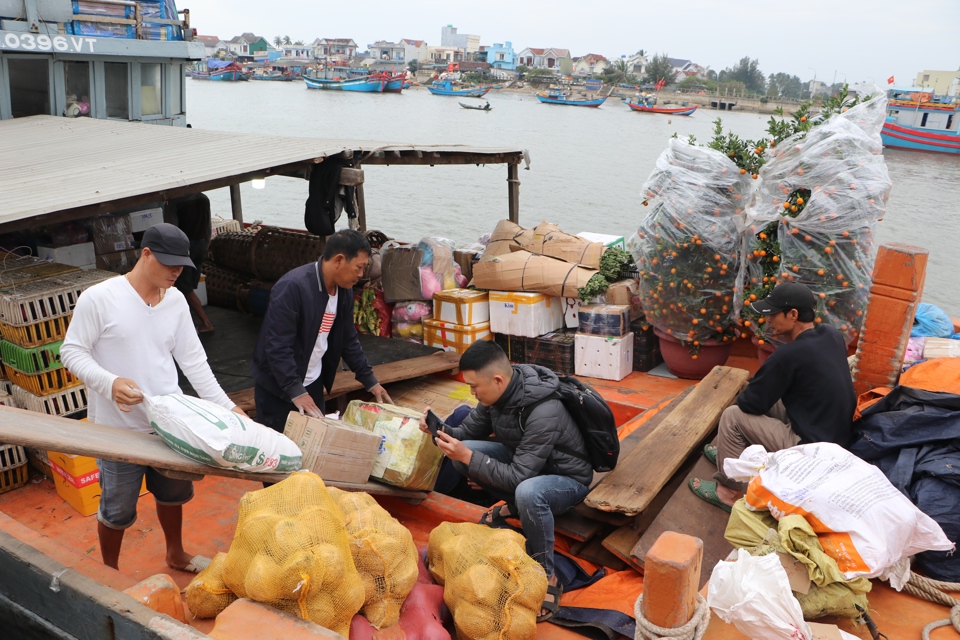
(207, 594)
(492, 587)
(525, 271)
(549, 240)
(384, 554)
(506, 236)
(291, 550)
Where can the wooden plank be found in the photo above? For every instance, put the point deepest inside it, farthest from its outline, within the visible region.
(595, 552)
(621, 543)
(639, 478)
(53, 433)
(686, 513)
(607, 517)
(573, 525)
(346, 382)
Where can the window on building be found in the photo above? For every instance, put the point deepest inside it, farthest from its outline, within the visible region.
(29, 86)
(117, 89)
(76, 77)
(923, 120)
(151, 103)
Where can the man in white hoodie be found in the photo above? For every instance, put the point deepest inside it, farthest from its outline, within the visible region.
(123, 341)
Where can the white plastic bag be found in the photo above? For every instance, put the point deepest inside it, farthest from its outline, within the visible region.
(754, 595)
(208, 433)
(860, 518)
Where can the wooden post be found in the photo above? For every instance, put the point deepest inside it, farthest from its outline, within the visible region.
(513, 191)
(671, 575)
(235, 203)
(898, 276)
(361, 206)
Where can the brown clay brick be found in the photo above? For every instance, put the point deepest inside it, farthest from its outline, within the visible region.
(670, 579)
(161, 594)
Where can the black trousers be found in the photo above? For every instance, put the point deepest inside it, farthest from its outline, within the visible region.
(272, 411)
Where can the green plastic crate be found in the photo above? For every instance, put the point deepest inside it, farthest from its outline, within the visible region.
(46, 357)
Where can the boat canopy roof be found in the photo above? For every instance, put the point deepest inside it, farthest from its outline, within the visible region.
(213, 64)
(54, 169)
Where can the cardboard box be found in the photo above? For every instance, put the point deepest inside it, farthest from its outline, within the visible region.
(77, 479)
(401, 273)
(111, 233)
(525, 271)
(571, 311)
(549, 240)
(143, 220)
(119, 261)
(409, 459)
(334, 450)
(454, 337)
(625, 292)
(604, 239)
(602, 357)
(461, 306)
(604, 319)
(524, 314)
(440, 394)
(466, 259)
(514, 346)
(77, 255)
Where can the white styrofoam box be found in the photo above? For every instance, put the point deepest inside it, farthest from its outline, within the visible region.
(607, 240)
(461, 306)
(571, 312)
(524, 314)
(143, 220)
(77, 255)
(202, 290)
(603, 357)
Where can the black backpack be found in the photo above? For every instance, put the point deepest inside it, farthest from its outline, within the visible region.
(594, 418)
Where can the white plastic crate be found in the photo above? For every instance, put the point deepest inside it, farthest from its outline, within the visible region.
(58, 403)
(48, 298)
(224, 225)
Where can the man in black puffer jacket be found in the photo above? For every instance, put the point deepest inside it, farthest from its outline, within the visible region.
(527, 466)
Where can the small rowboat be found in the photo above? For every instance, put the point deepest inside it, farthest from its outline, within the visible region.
(476, 107)
(446, 88)
(565, 99)
(675, 111)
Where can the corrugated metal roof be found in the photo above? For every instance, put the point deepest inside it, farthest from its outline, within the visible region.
(51, 164)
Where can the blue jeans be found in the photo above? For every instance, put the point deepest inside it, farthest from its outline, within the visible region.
(535, 501)
(120, 484)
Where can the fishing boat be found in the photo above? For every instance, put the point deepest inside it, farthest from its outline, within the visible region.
(476, 107)
(918, 120)
(565, 98)
(275, 76)
(362, 84)
(676, 111)
(446, 88)
(222, 71)
(396, 83)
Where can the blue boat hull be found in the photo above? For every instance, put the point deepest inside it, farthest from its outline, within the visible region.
(223, 76)
(897, 136)
(463, 93)
(571, 103)
(362, 85)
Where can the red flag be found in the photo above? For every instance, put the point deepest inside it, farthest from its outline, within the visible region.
(660, 84)
(890, 80)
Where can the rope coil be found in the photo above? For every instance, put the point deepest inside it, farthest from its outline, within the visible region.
(934, 591)
(692, 630)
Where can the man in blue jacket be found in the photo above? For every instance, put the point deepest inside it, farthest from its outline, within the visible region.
(307, 329)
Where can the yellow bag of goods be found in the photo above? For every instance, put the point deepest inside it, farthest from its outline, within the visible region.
(291, 550)
(207, 594)
(384, 553)
(409, 458)
(492, 587)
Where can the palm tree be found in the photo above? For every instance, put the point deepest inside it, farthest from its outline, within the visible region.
(286, 40)
(619, 73)
(299, 43)
(277, 41)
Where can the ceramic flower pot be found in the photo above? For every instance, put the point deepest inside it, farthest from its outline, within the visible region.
(684, 364)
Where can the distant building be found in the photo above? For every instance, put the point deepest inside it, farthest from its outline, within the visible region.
(414, 50)
(334, 48)
(818, 87)
(548, 58)
(249, 46)
(212, 45)
(590, 65)
(637, 64)
(940, 82)
(386, 51)
(445, 55)
(301, 52)
(681, 69)
(450, 38)
(500, 56)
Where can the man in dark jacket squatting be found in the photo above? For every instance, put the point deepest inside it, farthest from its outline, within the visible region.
(307, 329)
(529, 467)
(802, 393)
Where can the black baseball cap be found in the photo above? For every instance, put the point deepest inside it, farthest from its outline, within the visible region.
(169, 244)
(789, 295)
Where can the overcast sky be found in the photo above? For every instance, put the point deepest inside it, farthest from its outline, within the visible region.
(858, 39)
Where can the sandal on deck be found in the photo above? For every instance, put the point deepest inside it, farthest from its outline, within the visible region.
(710, 453)
(707, 491)
(555, 590)
(494, 517)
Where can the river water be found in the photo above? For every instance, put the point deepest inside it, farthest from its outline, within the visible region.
(587, 165)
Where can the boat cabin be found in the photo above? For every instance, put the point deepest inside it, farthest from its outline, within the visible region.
(919, 108)
(108, 59)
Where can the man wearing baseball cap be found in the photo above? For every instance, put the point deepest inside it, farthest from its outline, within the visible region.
(802, 393)
(125, 339)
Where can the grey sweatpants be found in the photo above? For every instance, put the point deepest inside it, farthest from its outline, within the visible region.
(739, 430)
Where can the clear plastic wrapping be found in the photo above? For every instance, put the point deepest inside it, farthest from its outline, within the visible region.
(687, 247)
(812, 220)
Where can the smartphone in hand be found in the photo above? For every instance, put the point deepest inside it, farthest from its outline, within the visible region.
(434, 423)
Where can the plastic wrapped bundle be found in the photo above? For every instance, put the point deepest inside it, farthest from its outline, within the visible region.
(491, 586)
(384, 553)
(407, 319)
(813, 218)
(438, 271)
(291, 550)
(207, 594)
(687, 247)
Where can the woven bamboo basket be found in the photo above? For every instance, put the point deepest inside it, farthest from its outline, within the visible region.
(223, 285)
(265, 254)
